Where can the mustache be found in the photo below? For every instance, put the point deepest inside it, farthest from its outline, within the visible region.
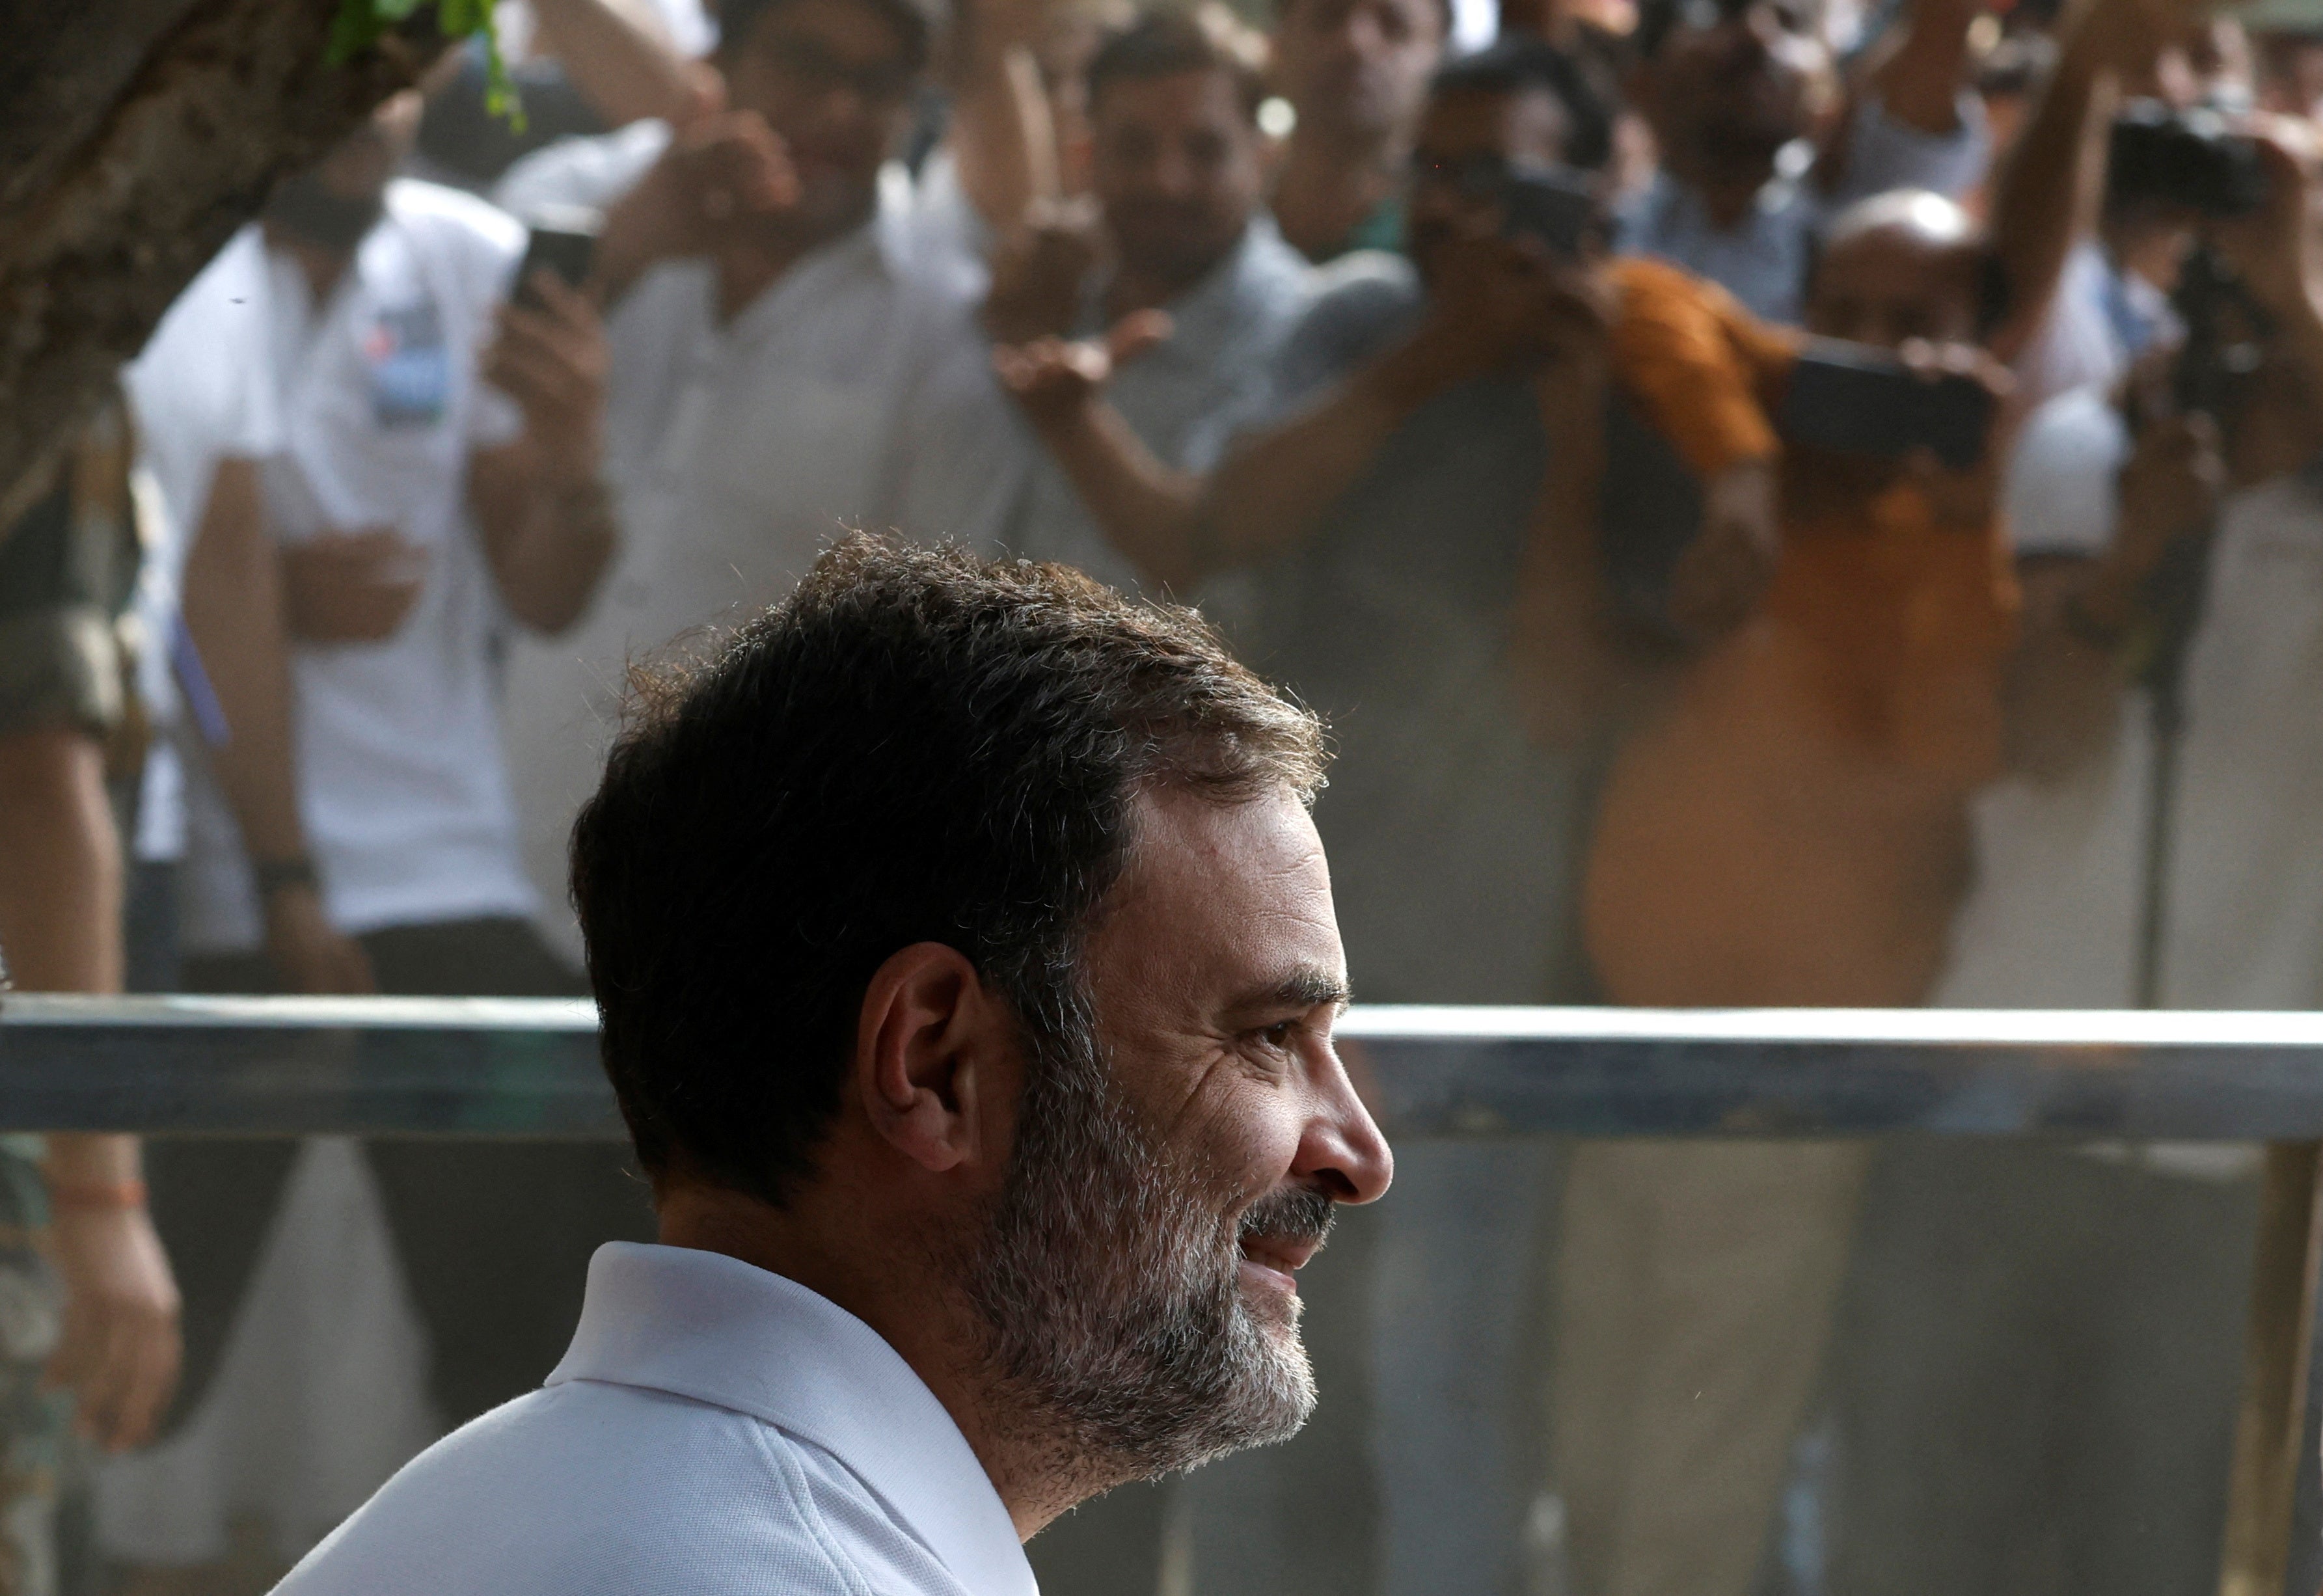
(1300, 1214)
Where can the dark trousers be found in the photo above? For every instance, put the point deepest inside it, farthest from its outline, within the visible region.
(494, 1238)
(2037, 1375)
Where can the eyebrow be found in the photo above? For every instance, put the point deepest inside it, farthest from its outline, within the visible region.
(1310, 987)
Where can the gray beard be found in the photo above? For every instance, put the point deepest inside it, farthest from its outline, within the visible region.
(1110, 1290)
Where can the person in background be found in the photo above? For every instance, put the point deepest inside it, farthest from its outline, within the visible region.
(1738, 91)
(1790, 828)
(1191, 260)
(2113, 305)
(1355, 75)
(788, 357)
(1399, 407)
(434, 483)
(2017, 1312)
(89, 1338)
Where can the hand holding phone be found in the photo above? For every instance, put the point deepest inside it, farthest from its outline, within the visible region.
(1556, 207)
(564, 241)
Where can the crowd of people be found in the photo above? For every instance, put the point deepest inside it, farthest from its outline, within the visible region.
(1731, 474)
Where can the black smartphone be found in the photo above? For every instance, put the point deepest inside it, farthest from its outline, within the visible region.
(567, 251)
(1856, 400)
(1559, 210)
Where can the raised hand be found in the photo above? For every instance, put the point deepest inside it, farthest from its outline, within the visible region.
(1054, 380)
(1506, 302)
(724, 177)
(1038, 271)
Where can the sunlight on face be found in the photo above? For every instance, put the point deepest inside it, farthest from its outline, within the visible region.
(1171, 1176)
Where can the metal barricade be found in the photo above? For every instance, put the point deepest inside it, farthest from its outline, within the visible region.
(501, 1068)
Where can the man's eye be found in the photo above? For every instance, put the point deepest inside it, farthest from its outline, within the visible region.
(1280, 1035)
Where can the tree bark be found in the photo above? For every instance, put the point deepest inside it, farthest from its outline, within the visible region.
(136, 136)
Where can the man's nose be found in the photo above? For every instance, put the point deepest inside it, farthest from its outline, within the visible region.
(1343, 1151)
(1173, 174)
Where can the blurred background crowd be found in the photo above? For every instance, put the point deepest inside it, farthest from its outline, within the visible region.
(1787, 502)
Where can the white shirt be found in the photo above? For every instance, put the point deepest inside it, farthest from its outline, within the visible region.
(715, 1428)
(2052, 921)
(856, 391)
(1226, 333)
(202, 393)
(402, 783)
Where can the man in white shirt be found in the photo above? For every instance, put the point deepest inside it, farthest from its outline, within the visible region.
(1179, 170)
(968, 968)
(788, 359)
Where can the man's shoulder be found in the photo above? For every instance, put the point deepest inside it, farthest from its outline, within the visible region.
(1355, 308)
(1366, 285)
(590, 1487)
(474, 237)
(453, 213)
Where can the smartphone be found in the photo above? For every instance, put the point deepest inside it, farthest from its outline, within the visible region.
(1556, 207)
(1856, 400)
(564, 242)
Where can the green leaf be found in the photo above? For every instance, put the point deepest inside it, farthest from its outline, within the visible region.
(357, 24)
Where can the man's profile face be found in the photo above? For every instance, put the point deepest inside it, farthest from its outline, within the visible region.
(1357, 68)
(1470, 139)
(1176, 170)
(1139, 1273)
(834, 79)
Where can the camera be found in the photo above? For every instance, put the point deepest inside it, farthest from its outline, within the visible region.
(1555, 207)
(1855, 399)
(2189, 159)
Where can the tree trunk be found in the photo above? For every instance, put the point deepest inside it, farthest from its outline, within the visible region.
(136, 136)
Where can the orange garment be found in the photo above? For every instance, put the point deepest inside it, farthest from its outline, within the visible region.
(1793, 829)
(1707, 371)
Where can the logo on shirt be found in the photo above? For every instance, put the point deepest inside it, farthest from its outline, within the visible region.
(410, 366)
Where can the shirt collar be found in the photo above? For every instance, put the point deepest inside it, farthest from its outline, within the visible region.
(716, 1330)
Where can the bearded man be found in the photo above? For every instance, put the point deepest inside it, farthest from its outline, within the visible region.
(968, 969)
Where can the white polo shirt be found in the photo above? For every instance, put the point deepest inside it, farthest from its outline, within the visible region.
(715, 1428)
(403, 782)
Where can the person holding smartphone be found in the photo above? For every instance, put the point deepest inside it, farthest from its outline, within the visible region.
(352, 575)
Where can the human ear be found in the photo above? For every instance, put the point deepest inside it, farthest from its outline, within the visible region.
(929, 1044)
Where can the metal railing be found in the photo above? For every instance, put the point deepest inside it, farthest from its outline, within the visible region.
(523, 1068)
